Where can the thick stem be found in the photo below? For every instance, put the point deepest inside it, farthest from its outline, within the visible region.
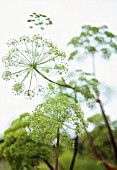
(106, 164)
(57, 150)
(48, 164)
(104, 116)
(75, 153)
(97, 154)
(109, 128)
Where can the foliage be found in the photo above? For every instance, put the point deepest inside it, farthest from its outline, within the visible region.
(18, 148)
(4, 165)
(97, 119)
(56, 113)
(83, 162)
(29, 60)
(100, 138)
(93, 40)
(85, 87)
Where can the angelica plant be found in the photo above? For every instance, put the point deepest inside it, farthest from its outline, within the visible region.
(31, 59)
(52, 119)
(93, 42)
(85, 88)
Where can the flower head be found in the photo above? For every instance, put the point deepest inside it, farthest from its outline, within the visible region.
(39, 20)
(27, 59)
(56, 113)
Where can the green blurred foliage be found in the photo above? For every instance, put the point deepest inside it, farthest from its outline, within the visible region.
(20, 150)
(83, 162)
(94, 40)
(85, 87)
(100, 138)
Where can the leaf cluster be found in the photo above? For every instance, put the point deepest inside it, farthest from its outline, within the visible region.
(85, 87)
(100, 138)
(94, 40)
(20, 150)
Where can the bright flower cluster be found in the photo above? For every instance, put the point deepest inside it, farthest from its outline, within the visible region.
(29, 60)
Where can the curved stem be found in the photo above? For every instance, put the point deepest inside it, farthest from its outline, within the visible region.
(63, 85)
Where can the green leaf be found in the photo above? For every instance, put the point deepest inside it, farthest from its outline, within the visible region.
(109, 34)
(106, 53)
(74, 41)
(94, 29)
(113, 45)
(91, 49)
(97, 118)
(73, 54)
(100, 39)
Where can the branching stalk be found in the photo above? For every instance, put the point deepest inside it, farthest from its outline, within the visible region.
(109, 129)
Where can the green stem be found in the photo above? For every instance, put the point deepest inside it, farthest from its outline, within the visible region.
(63, 85)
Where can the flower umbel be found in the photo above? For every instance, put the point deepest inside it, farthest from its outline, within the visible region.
(39, 20)
(28, 58)
(56, 113)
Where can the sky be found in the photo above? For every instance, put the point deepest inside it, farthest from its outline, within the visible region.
(68, 16)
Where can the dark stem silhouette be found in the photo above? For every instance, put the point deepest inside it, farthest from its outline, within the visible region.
(75, 153)
(112, 138)
(57, 149)
(109, 129)
(48, 164)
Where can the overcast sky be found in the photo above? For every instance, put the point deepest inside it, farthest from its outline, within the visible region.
(68, 16)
